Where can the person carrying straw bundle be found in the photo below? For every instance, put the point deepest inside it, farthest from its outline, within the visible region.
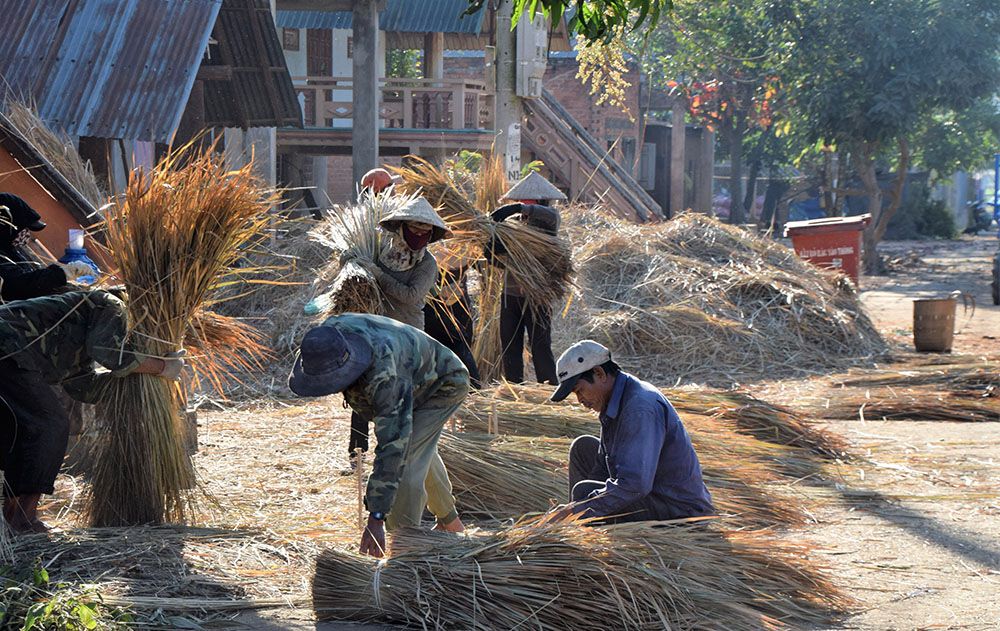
(409, 385)
(643, 466)
(405, 273)
(47, 342)
(518, 314)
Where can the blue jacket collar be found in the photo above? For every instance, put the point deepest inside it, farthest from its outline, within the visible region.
(615, 402)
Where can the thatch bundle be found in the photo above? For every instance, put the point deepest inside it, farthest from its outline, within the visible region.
(974, 379)
(910, 404)
(502, 477)
(695, 299)
(540, 263)
(58, 149)
(355, 238)
(567, 576)
(171, 240)
(711, 416)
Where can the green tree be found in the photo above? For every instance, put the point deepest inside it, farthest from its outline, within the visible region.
(593, 20)
(725, 59)
(870, 73)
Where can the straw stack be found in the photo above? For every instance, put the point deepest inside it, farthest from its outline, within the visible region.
(503, 477)
(696, 300)
(552, 576)
(172, 240)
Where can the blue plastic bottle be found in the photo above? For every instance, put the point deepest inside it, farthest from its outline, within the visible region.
(76, 252)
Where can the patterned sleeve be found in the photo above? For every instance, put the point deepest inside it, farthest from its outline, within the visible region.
(106, 336)
(392, 399)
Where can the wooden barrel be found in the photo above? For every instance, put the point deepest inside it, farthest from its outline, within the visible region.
(934, 324)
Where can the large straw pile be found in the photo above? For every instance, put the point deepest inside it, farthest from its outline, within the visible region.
(697, 300)
(171, 240)
(565, 576)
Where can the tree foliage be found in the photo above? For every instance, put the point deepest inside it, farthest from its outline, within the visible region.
(870, 73)
(592, 20)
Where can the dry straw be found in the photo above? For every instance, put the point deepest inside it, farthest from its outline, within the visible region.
(543, 575)
(693, 299)
(172, 240)
(509, 476)
(59, 150)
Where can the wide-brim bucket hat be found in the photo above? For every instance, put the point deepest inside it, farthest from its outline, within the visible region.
(420, 210)
(329, 361)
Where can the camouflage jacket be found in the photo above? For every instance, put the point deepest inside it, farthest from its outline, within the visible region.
(407, 369)
(62, 336)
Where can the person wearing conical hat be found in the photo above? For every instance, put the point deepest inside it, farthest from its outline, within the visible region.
(518, 317)
(405, 272)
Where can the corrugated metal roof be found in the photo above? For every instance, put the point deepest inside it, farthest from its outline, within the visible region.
(399, 16)
(106, 68)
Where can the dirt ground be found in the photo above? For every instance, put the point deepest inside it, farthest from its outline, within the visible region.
(913, 533)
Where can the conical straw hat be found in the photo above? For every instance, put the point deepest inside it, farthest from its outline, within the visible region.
(417, 209)
(534, 186)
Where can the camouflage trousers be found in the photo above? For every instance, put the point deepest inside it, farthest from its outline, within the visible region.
(424, 480)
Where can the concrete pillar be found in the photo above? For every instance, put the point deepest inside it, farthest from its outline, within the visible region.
(321, 178)
(678, 135)
(509, 112)
(434, 56)
(705, 172)
(364, 153)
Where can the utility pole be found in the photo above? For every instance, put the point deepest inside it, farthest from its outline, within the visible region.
(509, 111)
(365, 93)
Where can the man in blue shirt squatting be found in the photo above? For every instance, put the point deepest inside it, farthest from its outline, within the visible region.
(643, 466)
(409, 385)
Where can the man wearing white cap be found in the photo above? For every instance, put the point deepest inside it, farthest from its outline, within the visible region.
(643, 466)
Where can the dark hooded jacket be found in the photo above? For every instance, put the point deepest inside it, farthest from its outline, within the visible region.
(20, 276)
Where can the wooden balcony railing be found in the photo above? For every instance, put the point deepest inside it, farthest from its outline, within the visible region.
(405, 104)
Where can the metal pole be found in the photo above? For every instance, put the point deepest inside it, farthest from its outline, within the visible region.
(996, 191)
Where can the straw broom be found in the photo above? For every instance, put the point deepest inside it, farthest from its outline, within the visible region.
(554, 576)
(171, 240)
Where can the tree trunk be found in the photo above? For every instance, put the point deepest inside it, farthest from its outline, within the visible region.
(751, 193)
(734, 141)
(880, 216)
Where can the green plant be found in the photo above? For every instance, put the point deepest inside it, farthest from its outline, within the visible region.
(30, 601)
(532, 167)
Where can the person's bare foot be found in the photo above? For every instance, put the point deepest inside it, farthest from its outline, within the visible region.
(454, 525)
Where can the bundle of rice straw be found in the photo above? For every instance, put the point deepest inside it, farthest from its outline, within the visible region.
(58, 149)
(502, 477)
(910, 404)
(719, 434)
(696, 300)
(171, 239)
(219, 346)
(972, 379)
(540, 263)
(544, 575)
(355, 229)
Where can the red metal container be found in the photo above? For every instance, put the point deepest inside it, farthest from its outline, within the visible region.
(831, 242)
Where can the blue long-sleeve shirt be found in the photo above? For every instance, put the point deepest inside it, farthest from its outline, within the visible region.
(649, 455)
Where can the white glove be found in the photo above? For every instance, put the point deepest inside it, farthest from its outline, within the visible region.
(76, 269)
(173, 364)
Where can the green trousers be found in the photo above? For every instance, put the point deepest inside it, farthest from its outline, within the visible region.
(424, 480)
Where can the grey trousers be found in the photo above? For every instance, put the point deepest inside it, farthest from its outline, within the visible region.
(424, 480)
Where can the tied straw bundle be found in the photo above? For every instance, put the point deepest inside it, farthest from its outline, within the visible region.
(539, 263)
(353, 233)
(503, 477)
(558, 575)
(171, 240)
